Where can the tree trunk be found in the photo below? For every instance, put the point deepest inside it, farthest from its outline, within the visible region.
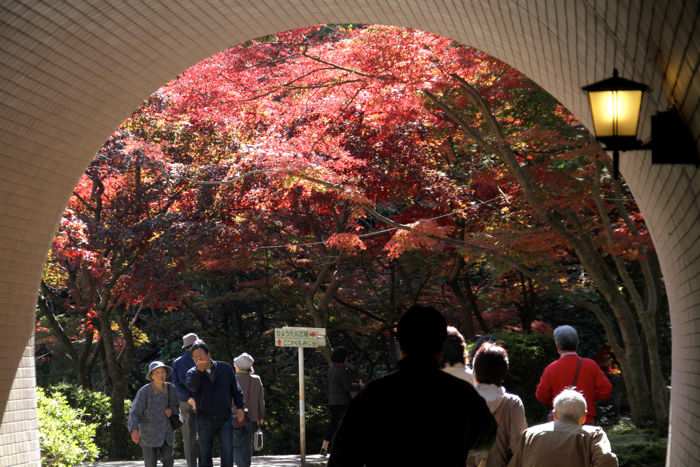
(565, 222)
(119, 436)
(659, 390)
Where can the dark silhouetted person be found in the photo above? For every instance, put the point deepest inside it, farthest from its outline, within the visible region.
(419, 415)
(339, 393)
(570, 370)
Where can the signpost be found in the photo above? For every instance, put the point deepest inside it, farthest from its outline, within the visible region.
(301, 338)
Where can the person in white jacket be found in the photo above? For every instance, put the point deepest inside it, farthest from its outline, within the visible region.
(490, 370)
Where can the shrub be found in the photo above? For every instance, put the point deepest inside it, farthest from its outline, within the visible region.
(95, 408)
(66, 439)
(637, 447)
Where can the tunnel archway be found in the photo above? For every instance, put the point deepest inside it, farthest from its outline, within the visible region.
(72, 72)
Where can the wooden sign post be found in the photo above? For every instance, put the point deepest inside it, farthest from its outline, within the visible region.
(300, 338)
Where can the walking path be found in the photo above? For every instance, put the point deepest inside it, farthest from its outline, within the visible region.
(258, 461)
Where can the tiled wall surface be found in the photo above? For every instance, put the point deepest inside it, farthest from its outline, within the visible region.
(71, 71)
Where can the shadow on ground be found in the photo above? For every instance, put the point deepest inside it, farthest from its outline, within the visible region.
(259, 461)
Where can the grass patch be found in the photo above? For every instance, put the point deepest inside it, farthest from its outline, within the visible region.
(637, 447)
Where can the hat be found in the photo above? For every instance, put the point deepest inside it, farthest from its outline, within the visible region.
(189, 339)
(244, 361)
(153, 366)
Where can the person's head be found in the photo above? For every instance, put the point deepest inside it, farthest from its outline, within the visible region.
(566, 338)
(188, 340)
(570, 406)
(200, 351)
(453, 348)
(491, 364)
(480, 340)
(244, 362)
(422, 331)
(158, 372)
(339, 355)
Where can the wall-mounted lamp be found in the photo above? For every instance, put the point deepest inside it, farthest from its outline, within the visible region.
(616, 104)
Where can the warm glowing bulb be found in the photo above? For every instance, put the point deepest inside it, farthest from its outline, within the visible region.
(615, 113)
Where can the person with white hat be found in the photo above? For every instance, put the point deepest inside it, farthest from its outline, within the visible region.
(149, 418)
(180, 367)
(254, 397)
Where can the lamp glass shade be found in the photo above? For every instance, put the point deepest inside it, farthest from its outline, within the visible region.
(615, 113)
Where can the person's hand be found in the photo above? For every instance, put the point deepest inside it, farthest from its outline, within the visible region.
(240, 416)
(261, 422)
(135, 436)
(192, 403)
(168, 412)
(202, 364)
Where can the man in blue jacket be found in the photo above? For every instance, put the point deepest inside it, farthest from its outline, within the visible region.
(214, 391)
(180, 367)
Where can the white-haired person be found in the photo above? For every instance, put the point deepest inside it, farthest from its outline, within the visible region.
(254, 397)
(566, 441)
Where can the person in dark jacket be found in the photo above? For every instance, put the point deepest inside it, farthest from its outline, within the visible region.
(215, 391)
(181, 366)
(418, 415)
(339, 393)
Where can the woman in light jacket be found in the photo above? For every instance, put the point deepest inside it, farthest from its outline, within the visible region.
(490, 370)
(254, 398)
(149, 422)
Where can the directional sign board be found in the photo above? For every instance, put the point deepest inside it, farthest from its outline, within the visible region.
(300, 337)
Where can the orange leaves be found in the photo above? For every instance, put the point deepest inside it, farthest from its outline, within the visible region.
(420, 235)
(346, 243)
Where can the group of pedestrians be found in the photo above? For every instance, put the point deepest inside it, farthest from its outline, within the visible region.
(437, 409)
(208, 398)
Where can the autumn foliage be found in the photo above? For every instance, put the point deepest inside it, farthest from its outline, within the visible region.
(346, 162)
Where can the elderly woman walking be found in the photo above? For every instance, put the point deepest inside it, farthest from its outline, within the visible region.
(254, 397)
(149, 417)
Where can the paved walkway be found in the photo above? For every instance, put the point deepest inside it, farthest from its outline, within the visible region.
(258, 461)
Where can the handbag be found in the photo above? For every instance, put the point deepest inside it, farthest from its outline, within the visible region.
(258, 440)
(174, 419)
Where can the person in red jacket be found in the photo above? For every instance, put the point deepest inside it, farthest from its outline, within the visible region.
(570, 370)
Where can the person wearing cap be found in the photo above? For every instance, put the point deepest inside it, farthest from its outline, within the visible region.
(149, 415)
(216, 394)
(571, 370)
(254, 397)
(419, 415)
(566, 441)
(180, 367)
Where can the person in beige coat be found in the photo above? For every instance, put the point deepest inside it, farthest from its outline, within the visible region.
(490, 370)
(565, 442)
